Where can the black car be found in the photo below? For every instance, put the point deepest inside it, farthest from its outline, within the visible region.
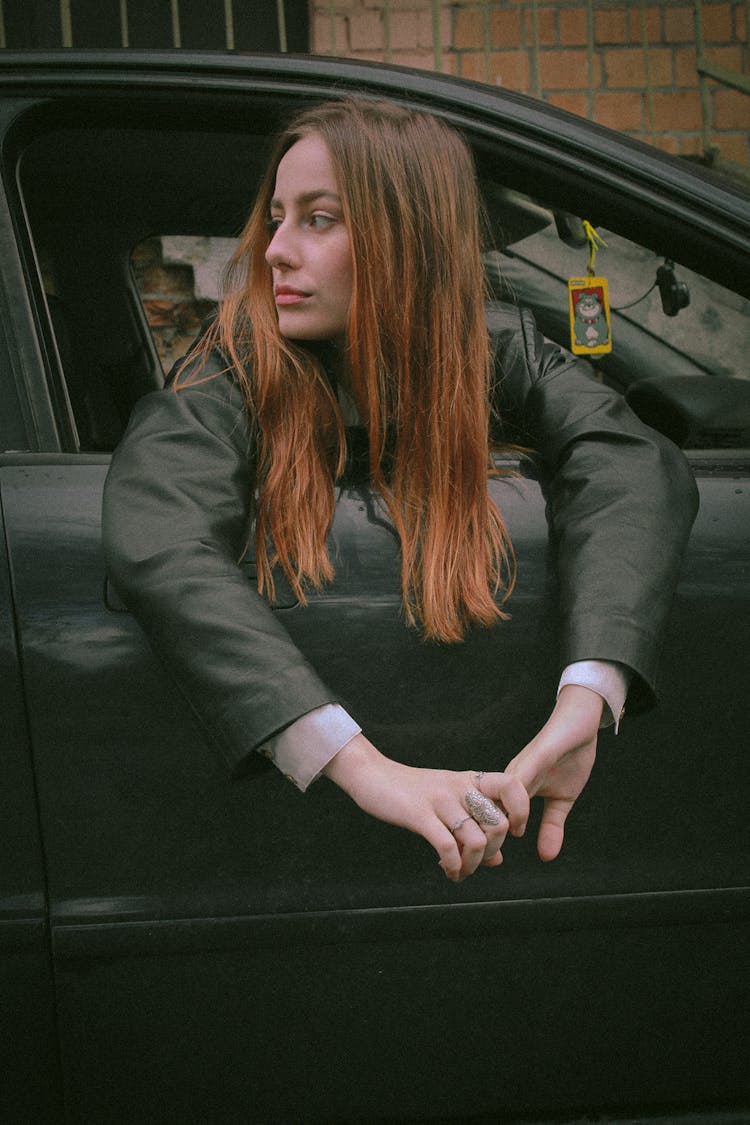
(183, 948)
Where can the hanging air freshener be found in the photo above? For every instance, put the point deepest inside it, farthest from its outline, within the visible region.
(588, 306)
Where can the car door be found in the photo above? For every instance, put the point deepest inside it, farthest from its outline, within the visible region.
(246, 934)
(30, 1087)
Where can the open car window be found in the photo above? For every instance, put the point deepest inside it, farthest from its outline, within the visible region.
(131, 227)
(679, 356)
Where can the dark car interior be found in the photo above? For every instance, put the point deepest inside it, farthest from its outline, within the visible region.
(96, 181)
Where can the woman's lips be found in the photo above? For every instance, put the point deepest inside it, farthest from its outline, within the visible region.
(286, 295)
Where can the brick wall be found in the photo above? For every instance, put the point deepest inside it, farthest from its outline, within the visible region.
(628, 64)
(174, 307)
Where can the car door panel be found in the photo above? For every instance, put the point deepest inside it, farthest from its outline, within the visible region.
(27, 1010)
(373, 1016)
(287, 930)
(119, 755)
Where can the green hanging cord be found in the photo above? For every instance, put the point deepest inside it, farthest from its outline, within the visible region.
(595, 240)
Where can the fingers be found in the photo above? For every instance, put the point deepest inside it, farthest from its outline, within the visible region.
(508, 792)
(462, 844)
(447, 848)
(549, 840)
(482, 825)
(480, 844)
(477, 841)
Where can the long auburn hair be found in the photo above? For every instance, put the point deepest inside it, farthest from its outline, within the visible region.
(417, 358)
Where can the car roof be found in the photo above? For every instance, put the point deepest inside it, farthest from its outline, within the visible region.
(625, 183)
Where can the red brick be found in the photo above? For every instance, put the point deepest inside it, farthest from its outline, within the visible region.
(366, 31)
(467, 29)
(661, 66)
(665, 142)
(546, 27)
(735, 147)
(423, 60)
(450, 63)
(679, 25)
(610, 26)
(425, 33)
(404, 30)
(690, 145)
(326, 40)
(680, 110)
(717, 23)
(168, 279)
(474, 65)
(159, 314)
(511, 70)
(189, 315)
(573, 103)
(566, 70)
(731, 109)
(729, 57)
(625, 68)
(505, 28)
(740, 24)
(619, 111)
(400, 5)
(368, 56)
(653, 25)
(686, 67)
(573, 27)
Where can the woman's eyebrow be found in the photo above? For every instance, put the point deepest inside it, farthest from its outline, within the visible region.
(308, 197)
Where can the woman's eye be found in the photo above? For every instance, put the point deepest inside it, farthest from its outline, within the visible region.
(319, 221)
(273, 223)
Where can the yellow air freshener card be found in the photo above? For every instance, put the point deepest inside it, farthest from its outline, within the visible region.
(588, 304)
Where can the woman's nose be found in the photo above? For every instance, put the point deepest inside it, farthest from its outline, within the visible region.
(280, 250)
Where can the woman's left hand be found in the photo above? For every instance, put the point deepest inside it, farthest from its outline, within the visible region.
(557, 763)
(434, 804)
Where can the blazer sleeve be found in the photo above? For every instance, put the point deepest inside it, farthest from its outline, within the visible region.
(175, 524)
(621, 500)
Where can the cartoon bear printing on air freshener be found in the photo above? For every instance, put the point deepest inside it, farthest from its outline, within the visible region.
(588, 308)
(589, 320)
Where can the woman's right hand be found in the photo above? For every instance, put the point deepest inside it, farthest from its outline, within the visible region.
(431, 802)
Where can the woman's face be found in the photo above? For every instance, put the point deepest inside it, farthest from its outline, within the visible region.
(309, 252)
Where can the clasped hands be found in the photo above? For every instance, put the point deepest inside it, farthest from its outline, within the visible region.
(554, 766)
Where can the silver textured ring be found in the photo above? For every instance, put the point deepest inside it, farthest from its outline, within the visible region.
(481, 808)
(457, 823)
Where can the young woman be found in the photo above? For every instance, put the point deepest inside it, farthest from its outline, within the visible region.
(354, 304)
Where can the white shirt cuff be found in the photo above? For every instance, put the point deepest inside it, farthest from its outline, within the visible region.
(608, 679)
(302, 749)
